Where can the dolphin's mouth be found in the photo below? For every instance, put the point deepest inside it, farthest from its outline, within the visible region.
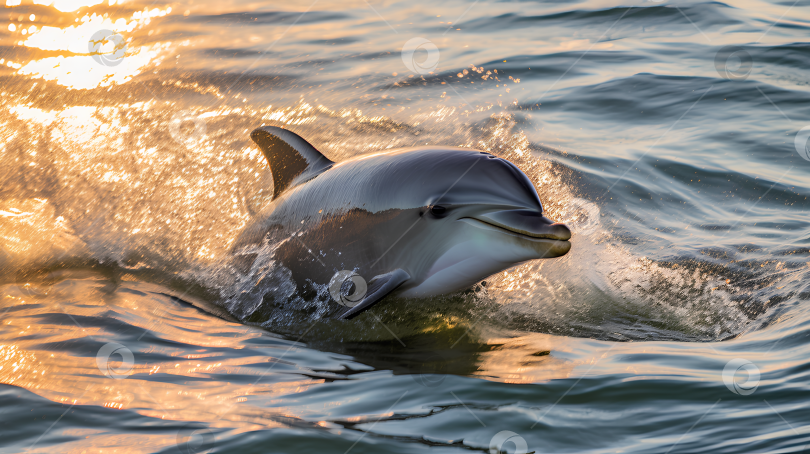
(525, 223)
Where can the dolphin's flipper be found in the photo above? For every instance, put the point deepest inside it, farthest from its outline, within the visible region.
(378, 287)
(292, 159)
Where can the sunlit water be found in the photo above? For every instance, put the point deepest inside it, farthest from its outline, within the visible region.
(679, 321)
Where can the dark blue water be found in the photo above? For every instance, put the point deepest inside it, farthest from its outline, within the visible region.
(668, 134)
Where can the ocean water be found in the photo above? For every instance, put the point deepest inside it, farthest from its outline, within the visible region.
(672, 136)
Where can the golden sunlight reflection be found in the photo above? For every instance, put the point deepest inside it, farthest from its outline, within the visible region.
(84, 73)
(100, 49)
(64, 6)
(157, 387)
(530, 358)
(30, 227)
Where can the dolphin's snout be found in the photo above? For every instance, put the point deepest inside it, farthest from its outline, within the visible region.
(560, 230)
(527, 222)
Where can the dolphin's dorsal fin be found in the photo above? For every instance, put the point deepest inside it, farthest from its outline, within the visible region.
(292, 159)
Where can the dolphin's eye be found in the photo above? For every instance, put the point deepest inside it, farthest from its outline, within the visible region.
(438, 210)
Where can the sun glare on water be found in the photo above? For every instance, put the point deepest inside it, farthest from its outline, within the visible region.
(95, 51)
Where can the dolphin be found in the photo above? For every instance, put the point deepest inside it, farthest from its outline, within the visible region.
(412, 222)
